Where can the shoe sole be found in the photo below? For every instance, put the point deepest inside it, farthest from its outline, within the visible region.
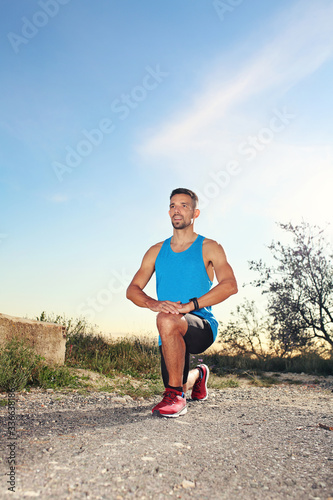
(207, 377)
(156, 413)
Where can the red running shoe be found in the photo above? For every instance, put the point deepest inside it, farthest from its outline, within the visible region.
(200, 391)
(173, 404)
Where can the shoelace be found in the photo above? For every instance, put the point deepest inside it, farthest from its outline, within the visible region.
(197, 385)
(169, 397)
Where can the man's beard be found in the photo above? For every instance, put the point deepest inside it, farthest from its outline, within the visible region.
(181, 224)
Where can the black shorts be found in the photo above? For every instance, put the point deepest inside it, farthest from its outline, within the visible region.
(198, 338)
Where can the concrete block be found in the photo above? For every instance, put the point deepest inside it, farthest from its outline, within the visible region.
(47, 339)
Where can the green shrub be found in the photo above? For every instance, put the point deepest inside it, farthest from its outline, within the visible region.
(17, 364)
(310, 362)
(306, 362)
(53, 378)
(135, 357)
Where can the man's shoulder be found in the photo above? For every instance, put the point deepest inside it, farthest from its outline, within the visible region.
(211, 247)
(208, 242)
(154, 249)
(157, 246)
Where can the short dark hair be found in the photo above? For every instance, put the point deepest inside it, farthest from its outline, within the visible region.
(190, 193)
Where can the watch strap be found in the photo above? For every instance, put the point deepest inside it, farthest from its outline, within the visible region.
(195, 302)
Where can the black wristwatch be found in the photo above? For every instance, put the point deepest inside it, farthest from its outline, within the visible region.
(195, 302)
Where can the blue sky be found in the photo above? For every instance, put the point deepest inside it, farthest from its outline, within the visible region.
(107, 106)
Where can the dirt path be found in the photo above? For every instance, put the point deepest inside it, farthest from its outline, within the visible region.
(245, 443)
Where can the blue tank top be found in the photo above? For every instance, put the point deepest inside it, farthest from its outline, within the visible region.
(183, 275)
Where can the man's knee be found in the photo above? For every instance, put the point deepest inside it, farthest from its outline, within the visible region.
(171, 322)
(165, 320)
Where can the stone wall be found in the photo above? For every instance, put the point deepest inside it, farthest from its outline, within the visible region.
(47, 339)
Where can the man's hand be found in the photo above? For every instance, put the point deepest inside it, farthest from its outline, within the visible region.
(186, 308)
(165, 306)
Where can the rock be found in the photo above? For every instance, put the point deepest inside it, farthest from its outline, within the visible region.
(46, 339)
(119, 399)
(188, 484)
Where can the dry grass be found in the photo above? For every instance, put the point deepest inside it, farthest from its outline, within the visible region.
(132, 366)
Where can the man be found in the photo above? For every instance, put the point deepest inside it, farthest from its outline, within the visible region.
(185, 265)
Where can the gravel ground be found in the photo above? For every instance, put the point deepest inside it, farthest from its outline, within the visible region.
(244, 443)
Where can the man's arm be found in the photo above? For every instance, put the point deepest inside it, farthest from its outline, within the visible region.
(135, 291)
(213, 253)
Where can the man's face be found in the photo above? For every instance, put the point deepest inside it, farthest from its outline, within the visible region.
(181, 211)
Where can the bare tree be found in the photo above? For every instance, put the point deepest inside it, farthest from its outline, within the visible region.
(247, 332)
